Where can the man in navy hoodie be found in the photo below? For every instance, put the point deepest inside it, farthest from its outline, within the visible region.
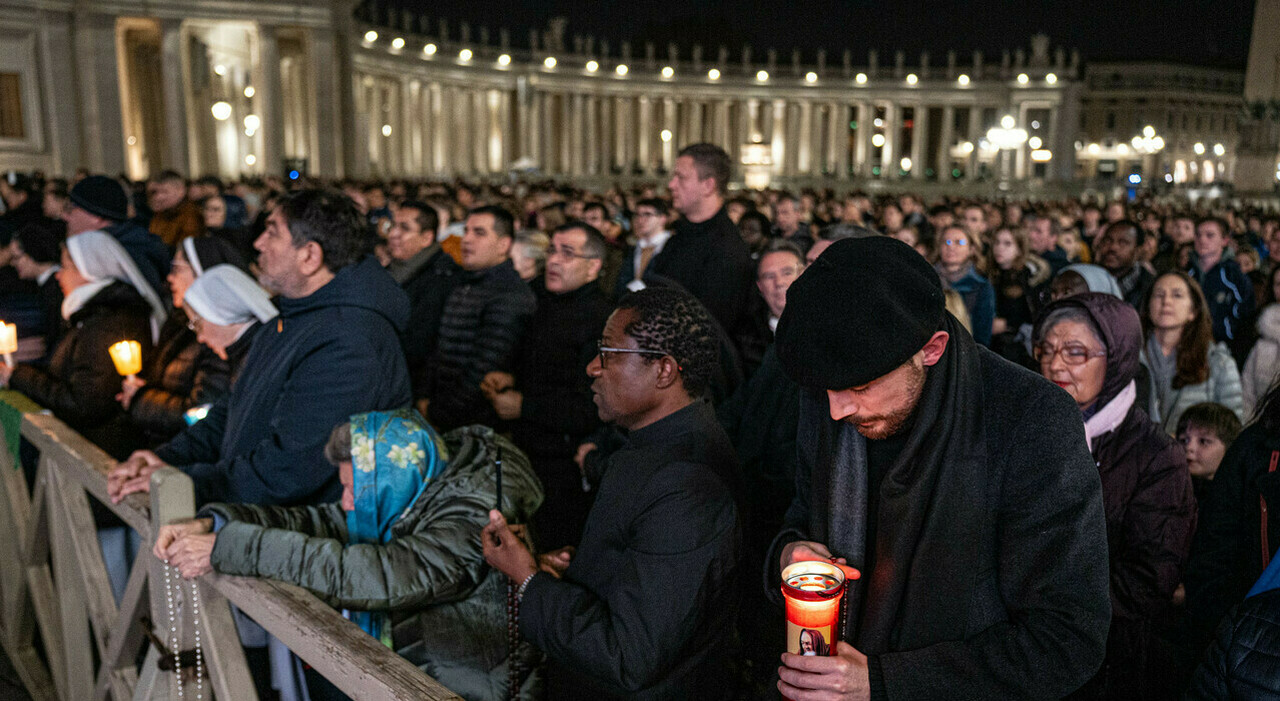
(334, 351)
(1226, 288)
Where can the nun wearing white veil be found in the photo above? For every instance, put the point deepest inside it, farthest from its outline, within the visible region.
(227, 307)
(105, 300)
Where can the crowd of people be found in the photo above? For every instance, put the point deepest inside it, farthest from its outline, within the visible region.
(625, 410)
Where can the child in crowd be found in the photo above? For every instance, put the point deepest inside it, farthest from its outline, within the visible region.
(1206, 430)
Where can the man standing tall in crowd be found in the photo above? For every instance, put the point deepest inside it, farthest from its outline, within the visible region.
(333, 352)
(1116, 249)
(957, 483)
(705, 254)
(483, 319)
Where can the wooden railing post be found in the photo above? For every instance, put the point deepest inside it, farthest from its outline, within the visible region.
(172, 500)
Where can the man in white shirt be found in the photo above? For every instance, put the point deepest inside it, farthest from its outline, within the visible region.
(650, 227)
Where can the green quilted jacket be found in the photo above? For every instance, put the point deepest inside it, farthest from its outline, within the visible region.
(448, 608)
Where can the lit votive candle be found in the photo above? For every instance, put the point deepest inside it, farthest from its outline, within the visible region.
(8, 341)
(812, 591)
(127, 356)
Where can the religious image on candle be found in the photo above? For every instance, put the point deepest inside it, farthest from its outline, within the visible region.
(812, 591)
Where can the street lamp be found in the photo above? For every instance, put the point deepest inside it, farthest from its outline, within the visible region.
(1006, 137)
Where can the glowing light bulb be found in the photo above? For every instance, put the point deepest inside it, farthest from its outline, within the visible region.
(221, 110)
(430, 49)
(370, 36)
(386, 130)
(713, 74)
(1051, 79)
(762, 76)
(592, 66)
(621, 69)
(810, 77)
(860, 79)
(464, 55)
(668, 71)
(249, 91)
(549, 62)
(1023, 79)
(963, 79)
(912, 79)
(504, 60)
(397, 43)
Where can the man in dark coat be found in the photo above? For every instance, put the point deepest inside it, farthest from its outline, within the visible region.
(483, 319)
(548, 399)
(644, 608)
(958, 484)
(333, 352)
(705, 254)
(99, 203)
(427, 275)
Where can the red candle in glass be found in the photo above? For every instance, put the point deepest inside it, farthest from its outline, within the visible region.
(812, 590)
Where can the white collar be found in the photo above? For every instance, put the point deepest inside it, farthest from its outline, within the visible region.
(44, 277)
(656, 241)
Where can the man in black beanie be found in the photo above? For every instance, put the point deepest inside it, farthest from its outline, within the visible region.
(958, 484)
(98, 203)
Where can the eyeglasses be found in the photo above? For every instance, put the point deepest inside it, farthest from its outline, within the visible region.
(957, 242)
(1072, 354)
(568, 253)
(604, 351)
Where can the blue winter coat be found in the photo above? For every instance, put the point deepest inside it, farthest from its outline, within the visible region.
(1229, 294)
(148, 252)
(329, 355)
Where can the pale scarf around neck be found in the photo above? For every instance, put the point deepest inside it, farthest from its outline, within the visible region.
(102, 260)
(1110, 416)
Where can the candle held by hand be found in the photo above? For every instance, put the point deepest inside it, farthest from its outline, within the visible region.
(8, 341)
(127, 356)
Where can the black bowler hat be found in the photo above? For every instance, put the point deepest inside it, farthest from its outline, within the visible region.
(862, 309)
(101, 196)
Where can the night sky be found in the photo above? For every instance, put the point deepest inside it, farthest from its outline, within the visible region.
(1201, 32)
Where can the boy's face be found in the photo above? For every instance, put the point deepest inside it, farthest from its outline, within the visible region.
(1204, 450)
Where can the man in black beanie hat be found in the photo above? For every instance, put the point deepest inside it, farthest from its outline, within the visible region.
(958, 484)
(98, 203)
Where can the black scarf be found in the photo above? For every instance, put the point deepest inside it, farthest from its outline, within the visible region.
(923, 534)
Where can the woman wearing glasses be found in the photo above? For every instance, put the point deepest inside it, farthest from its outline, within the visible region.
(1089, 345)
(958, 254)
(1186, 366)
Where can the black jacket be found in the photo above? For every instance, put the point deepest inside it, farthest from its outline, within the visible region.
(428, 289)
(551, 371)
(483, 319)
(646, 608)
(331, 354)
(80, 384)
(1241, 661)
(1226, 553)
(710, 260)
(148, 252)
(182, 373)
(50, 300)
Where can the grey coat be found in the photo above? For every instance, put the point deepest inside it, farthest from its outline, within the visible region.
(1223, 387)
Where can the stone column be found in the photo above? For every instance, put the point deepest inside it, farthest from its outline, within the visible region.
(669, 123)
(838, 138)
(177, 125)
(577, 145)
(268, 100)
(593, 135)
(621, 152)
(1020, 155)
(100, 121)
(550, 160)
(777, 139)
(946, 136)
(507, 122)
(439, 135)
(337, 134)
(695, 121)
(608, 129)
(919, 141)
(723, 134)
(644, 134)
(413, 124)
(892, 135)
(524, 112)
(804, 152)
(975, 135)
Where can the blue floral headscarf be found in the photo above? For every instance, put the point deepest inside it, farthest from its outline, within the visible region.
(394, 454)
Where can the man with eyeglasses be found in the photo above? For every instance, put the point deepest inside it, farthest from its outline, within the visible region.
(644, 608)
(546, 400)
(958, 485)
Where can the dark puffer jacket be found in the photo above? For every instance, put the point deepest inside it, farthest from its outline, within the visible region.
(182, 373)
(448, 608)
(482, 322)
(80, 384)
(1241, 662)
(1149, 504)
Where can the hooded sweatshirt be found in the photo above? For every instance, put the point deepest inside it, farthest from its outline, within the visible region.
(329, 355)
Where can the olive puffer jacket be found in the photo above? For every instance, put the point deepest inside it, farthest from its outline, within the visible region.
(448, 608)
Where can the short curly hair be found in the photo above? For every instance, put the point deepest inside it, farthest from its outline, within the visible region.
(674, 321)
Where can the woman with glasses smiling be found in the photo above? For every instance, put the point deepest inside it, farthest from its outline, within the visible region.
(958, 255)
(1088, 345)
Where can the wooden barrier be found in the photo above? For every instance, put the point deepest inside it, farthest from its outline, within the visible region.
(54, 584)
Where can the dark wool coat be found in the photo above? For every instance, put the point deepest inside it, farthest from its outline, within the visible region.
(646, 608)
(483, 319)
(428, 289)
(182, 373)
(80, 383)
(327, 356)
(1004, 591)
(710, 260)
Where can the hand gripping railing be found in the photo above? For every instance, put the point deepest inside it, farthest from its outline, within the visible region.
(53, 583)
